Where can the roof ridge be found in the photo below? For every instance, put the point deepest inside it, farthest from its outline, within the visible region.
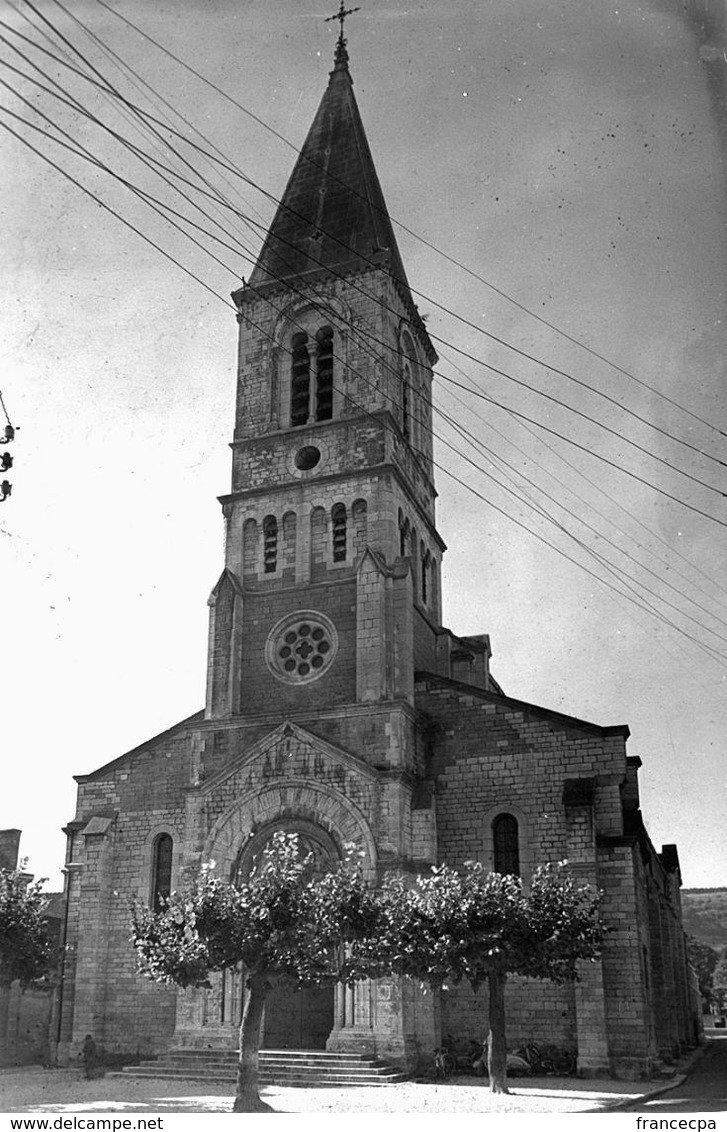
(522, 705)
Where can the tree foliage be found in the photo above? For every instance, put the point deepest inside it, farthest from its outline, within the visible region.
(285, 922)
(288, 922)
(703, 959)
(480, 927)
(455, 925)
(720, 981)
(26, 954)
(25, 950)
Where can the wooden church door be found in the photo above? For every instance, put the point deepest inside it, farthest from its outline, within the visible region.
(298, 1017)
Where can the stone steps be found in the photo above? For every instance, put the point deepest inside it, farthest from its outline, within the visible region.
(299, 1068)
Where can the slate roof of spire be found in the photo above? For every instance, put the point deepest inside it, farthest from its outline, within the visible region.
(333, 215)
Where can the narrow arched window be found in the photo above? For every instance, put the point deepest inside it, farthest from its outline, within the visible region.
(324, 374)
(250, 548)
(406, 403)
(299, 380)
(506, 845)
(414, 552)
(319, 553)
(290, 523)
(270, 544)
(161, 877)
(338, 519)
(425, 573)
(359, 516)
(403, 535)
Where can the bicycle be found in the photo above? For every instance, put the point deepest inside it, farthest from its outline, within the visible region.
(444, 1064)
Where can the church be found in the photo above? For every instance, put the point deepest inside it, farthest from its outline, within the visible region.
(340, 707)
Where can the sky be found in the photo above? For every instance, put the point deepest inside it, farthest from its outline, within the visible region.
(569, 158)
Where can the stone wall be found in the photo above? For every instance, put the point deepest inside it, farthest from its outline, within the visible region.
(490, 754)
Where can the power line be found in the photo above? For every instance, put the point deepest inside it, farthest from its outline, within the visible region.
(219, 198)
(473, 274)
(349, 398)
(479, 445)
(108, 208)
(554, 452)
(123, 65)
(108, 88)
(80, 150)
(361, 408)
(599, 534)
(436, 338)
(178, 214)
(583, 448)
(503, 373)
(673, 552)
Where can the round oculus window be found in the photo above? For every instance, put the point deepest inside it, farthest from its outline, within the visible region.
(307, 457)
(301, 647)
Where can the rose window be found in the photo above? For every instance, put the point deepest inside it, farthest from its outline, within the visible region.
(301, 647)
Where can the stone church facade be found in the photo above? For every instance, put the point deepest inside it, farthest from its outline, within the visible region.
(340, 707)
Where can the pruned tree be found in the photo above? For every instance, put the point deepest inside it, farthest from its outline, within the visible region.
(480, 927)
(703, 959)
(26, 954)
(284, 922)
(719, 981)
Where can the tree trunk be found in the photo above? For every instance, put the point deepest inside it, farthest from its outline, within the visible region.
(247, 1095)
(496, 1040)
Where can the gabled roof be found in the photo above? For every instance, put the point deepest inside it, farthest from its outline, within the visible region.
(332, 215)
(143, 748)
(430, 681)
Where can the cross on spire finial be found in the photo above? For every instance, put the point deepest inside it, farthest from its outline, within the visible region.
(340, 15)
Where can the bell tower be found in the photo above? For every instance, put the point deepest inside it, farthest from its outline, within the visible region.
(331, 588)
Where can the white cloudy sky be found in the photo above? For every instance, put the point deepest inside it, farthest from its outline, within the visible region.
(571, 153)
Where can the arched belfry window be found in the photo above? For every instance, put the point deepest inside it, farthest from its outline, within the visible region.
(410, 393)
(311, 377)
(506, 845)
(299, 380)
(270, 544)
(161, 874)
(324, 374)
(406, 402)
(340, 534)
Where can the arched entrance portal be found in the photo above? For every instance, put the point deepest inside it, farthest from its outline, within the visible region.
(295, 1017)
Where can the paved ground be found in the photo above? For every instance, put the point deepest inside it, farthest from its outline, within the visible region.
(704, 1090)
(65, 1090)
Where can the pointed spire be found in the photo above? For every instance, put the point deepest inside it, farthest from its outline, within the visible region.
(340, 59)
(333, 216)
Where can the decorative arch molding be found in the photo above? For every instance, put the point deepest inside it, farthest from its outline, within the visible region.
(412, 402)
(305, 319)
(305, 314)
(408, 343)
(313, 839)
(488, 855)
(303, 800)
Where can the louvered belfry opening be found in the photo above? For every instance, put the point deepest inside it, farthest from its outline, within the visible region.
(299, 380)
(324, 374)
(338, 516)
(270, 544)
